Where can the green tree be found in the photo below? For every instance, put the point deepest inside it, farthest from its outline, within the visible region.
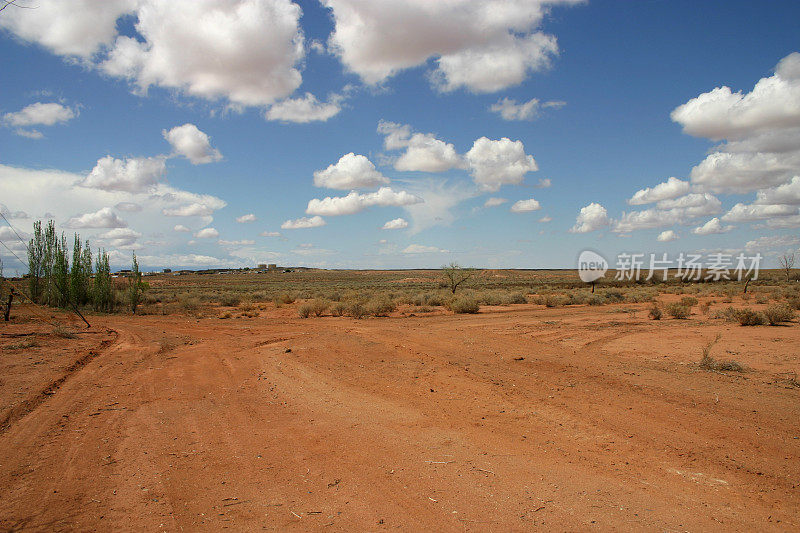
(61, 272)
(135, 285)
(102, 293)
(36, 262)
(48, 260)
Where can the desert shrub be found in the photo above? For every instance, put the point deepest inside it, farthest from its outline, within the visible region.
(246, 306)
(304, 310)
(554, 300)
(226, 314)
(748, 317)
(615, 295)
(778, 313)
(464, 304)
(285, 298)
(356, 310)
(761, 299)
(188, 302)
(488, 298)
(595, 299)
(319, 306)
(229, 299)
(655, 312)
(745, 297)
(704, 307)
(678, 310)
(380, 306)
(434, 299)
(689, 301)
(793, 302)
(516, 297)
(424, 309)
(639, 296)
(338, 309)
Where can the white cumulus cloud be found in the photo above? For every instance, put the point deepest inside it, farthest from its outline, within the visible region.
(246, 219)
(207, 233)
(423, 151)
(711, 227)
(247, 52)
(397, 223)
(40, 114)
(524, 206)
(350, 172)
(481, 45)
(356, 202)
(136, 174)
(592, 217)
(494, 202)
(102, 218)
(667, 236)
(304, 222)
(669, 189)
(304, 109)
(494, 163)
(191, 143)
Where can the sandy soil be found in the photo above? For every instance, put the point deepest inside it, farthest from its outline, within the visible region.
(579, 418)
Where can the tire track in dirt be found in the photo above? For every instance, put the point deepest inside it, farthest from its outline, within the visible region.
(27, 406)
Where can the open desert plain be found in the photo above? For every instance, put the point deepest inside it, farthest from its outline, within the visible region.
(399, 265)
(218, 406)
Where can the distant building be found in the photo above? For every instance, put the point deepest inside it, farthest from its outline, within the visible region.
(272, 266)
(262, 266)
(167, 270)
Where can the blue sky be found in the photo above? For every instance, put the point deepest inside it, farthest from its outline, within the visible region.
(153, 126)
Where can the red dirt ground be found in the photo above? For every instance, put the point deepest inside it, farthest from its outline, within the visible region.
(577, 418)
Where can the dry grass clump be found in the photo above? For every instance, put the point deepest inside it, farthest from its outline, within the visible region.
(464, 305)
(356, 310)
(709, 363)
(655, 312)
(793, 302)
(283, 299)
(689, 301)
(338, 309)
(748, 317)
(380, 306)
(225, 315)
(778, 313)
(304, 310)
(704, 307)
(229, 299)
(188, 302)
(678, 310)
(319, 306)
(30, 342)
(64, 333)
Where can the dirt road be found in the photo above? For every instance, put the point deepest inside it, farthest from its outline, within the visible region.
(572, 419)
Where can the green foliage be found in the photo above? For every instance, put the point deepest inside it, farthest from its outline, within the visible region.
(102, 291)
(36, 263)
(135, 285)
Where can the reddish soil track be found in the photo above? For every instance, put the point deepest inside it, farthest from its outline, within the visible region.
(572, 419)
